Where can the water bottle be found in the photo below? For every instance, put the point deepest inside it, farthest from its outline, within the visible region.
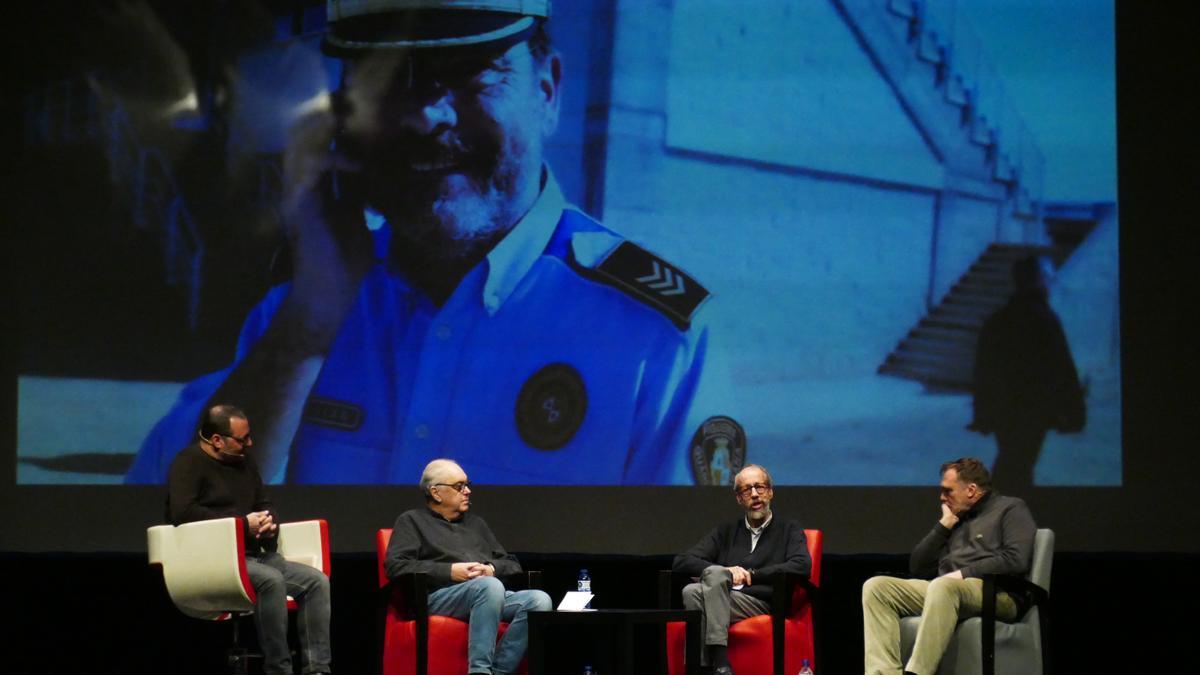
(584, 584)
(805, 669)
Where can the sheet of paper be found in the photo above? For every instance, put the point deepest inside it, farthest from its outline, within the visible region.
(575, 601)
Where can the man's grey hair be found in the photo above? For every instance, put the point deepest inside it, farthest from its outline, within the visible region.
(766, 474)
(433, 473)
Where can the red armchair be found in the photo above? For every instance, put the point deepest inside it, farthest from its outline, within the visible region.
(770, 643)
(413, 641)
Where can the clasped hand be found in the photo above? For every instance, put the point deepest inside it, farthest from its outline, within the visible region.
(465, 571)
(261, 523)
(741, 575)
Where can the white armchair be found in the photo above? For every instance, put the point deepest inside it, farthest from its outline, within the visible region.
(204, 563)
(204, 567)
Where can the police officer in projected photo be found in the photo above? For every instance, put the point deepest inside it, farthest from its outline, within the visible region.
(487, 318)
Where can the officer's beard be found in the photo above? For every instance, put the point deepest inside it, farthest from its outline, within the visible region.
(443, 225)
(460, 211)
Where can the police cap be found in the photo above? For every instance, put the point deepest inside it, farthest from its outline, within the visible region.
(358, 25)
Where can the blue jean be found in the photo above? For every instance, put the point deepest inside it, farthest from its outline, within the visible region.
(274, 579)
(484, 603)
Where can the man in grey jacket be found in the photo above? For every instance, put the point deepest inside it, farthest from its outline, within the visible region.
(979, 533)
(465, 563)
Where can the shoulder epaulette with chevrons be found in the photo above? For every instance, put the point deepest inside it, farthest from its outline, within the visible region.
(651, 280)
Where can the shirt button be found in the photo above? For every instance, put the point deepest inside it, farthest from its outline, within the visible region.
(421, 431)
(444, 332)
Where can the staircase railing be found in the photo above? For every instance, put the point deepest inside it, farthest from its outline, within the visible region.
(941, 31)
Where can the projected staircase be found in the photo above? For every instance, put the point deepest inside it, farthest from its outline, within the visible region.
(936, 64)
(940, 350)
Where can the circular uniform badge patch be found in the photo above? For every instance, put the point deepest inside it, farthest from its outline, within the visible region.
(551, 407)
(718, 451)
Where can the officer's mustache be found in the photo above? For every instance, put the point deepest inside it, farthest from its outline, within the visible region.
(414, 154)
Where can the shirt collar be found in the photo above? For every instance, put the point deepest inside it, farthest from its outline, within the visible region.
(760, 528)
(513, 257)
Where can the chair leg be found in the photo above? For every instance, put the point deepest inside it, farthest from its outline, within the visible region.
(988, 629)
(238, 657)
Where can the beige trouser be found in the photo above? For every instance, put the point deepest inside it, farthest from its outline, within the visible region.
(940, 603)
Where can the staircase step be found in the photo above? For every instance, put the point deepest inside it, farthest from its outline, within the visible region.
(996, 262)
(930, 49)
(965, 310)
(929, 377)
(904, 8)
(929, 323)
(996, 278)
(956, 91)
(954, 321)
(960, 314)
(983, 292)
(943, 335)
(948, 364)
(979, 296)
(945, 348)
(1003, 169)
(982, 133)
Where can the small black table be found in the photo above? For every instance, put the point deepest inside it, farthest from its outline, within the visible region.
(621, 622)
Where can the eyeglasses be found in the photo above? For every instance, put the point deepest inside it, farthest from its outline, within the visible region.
(749, 489)
(243, 440)
(457, 487)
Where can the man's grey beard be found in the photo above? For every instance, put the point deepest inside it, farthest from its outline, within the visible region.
(765, 513)
(452, 229)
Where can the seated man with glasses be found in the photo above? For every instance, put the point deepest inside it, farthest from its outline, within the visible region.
(737, 563)
(215, 478)
(465, 563)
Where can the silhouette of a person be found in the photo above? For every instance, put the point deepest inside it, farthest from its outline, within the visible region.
(1025, 382)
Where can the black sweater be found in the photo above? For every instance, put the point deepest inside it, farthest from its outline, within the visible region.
(424, 541)
(782, 548)
(200, 487)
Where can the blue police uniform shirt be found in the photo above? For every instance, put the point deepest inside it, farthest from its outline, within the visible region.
(407, 381)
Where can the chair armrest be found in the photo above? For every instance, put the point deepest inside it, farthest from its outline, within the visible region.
(782, 590)
(666, 579)
(406, 597)
(533, 580)
(522, 581)
(306, 542)
(670, 586)
(1013, 584)
(204, 566)
(993, 583)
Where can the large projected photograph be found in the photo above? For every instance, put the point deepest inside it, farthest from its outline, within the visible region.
(632, 244)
